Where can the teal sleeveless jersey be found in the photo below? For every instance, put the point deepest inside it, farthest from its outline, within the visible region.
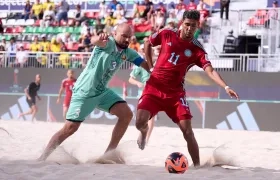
(102, 65)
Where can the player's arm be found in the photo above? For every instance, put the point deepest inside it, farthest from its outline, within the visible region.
(26, 90)
(136, 59)
(100, 41)
(204, 63)
(132, 79)
(61, 89)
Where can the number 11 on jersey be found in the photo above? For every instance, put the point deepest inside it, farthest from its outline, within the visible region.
(172, 59)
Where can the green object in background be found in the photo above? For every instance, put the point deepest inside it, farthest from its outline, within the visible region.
(197, 33)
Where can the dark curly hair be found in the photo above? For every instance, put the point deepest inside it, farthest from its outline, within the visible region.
(191, 14)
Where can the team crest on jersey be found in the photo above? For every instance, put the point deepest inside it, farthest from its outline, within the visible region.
(123, 57)
(188, 53)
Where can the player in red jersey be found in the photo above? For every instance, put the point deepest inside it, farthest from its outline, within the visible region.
(66, 85)
(164, 91)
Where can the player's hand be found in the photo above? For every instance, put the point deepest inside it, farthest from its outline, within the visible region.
(140, 85)
(58, 101)
(103, 37)
(232, 93)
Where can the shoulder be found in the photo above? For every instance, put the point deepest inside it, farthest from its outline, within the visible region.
(199, 46)
(167, 31)
(64, 81)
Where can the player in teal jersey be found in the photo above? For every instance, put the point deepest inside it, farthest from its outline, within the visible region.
(90, 90)
(143, 76)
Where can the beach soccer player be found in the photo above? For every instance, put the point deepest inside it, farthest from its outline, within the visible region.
(164, 91)
(31, 93)
(90, 90)
(67, 86)
(138, 77)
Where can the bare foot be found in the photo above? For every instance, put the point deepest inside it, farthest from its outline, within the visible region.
(142, 140)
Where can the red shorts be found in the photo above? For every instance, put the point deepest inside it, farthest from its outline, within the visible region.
(176, 106)
(66, 102)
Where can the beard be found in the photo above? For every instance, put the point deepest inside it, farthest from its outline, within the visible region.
(122, 46)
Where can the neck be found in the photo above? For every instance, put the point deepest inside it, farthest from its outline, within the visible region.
(184, 37)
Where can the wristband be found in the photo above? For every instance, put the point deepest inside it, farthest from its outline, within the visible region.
(227, 87)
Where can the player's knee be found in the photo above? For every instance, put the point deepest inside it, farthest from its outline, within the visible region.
(125, 115)
(70, 129)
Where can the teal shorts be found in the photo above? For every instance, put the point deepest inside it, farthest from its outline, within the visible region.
(80, 106)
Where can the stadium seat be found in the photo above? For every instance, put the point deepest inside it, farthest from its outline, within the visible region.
(9, 30)
(3, 15)
(37, 23)
(77, 30)
(28, 29)
(69, 29)
(70, 21)
(11, 22)
(58, 30)
(20, 22)
(8, 37)
(90, 15)
(18, 29)
(49, 30)
(29, 22)
(63, 23)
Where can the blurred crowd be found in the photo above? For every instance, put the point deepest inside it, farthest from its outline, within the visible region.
(110, 14)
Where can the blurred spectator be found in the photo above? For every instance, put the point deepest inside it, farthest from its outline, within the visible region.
(2, 56)
(48, 3)
(45, 44)
(201, 5)
(55, 45)
(108, 27)
(148, 9)
(230, 43)
(159, 21)
(11, 51)
(191, 5)
(35, 46)
(85, 28)
(64, 58)
(4, 43)
(224, 7)
(172, 18)
(21, 57)
(137, 19)
(171, 25)
(181, 5)
(27, 10)
(62, 12)
(48, 18)
(113, 5)
(120, 19)
(119, 11)
(102, 9)
(172, 8)
(1, 26)
(37, 11)
(272, 13)
(79, 15)
(162, 8)
(65, 37)
(180, 11)
(134, 44)
(111, 18)
(98, 26)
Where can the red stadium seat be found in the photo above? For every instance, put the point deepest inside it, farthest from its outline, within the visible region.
(26, 46)
(63, 23)
(90, 15)
(9, 30)
(18, 29)
(37, 23)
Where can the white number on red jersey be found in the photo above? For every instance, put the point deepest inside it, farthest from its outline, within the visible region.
(174, 58)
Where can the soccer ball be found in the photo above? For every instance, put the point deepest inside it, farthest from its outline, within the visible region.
(176, 163)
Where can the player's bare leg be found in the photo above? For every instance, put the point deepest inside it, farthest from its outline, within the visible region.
(151, 124)
(34, 111)
(68, 129)
(142, 119)
(65, 109)
(123, 112)
(26, 113)
(186, 128)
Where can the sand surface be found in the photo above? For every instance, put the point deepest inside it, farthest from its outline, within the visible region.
(249, 155)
